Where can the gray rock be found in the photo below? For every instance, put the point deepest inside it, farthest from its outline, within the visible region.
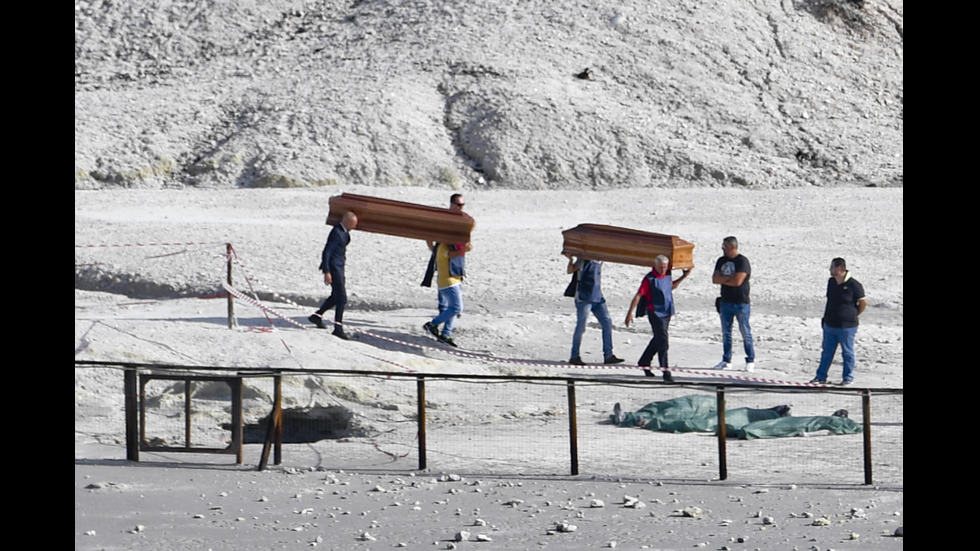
(820, 103)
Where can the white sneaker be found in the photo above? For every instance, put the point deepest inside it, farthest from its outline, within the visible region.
(723, 365)
(750, 366)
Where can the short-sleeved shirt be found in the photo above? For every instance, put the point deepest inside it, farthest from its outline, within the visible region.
(842, 302)
(658, 290)
(729, 267)
(445, 279)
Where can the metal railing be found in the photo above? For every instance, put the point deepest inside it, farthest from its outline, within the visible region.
(497, 417)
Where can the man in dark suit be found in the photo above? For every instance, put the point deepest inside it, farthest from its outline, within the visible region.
(332, 266)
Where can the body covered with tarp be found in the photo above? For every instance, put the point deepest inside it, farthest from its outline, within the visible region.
(698, 413)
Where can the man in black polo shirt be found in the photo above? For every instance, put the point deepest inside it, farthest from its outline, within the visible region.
(845, 302)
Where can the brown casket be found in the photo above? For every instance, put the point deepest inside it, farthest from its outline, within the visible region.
(402, 219)
(626, 246)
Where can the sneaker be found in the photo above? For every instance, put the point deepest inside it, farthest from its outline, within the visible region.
(668, 378)
(317, 320)
(432, 329)
(846, 383)
(750, 366)
(618, 414)
(339, 333)
(840, 413)
(448, 340)
(576, 360)
(818, 381)
(723, 365)
(612, 359)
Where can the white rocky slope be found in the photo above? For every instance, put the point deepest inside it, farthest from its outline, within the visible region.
(246, 93)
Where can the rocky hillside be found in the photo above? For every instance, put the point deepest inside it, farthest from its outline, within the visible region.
(532, 94)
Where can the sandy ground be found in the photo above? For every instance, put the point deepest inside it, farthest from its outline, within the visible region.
(331, 493)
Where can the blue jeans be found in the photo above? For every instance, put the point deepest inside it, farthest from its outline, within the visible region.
(832, 336)
(729, 312)
(450, 306)
(601, 312)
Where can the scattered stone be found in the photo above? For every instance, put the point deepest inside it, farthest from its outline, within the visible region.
(90, 533)
(900, 532)
(483, 537)
(597, 503)
(565, 527)
(462, 535)
(854, 535)
(611, 545)
(367, 537)
(822, 521)
(691, 511)
(379, 489)
(514, 502)
(768, 520)
(858, 512)
(479, 522)
(139, 528)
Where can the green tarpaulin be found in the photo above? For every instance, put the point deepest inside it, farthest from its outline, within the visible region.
(698, 413)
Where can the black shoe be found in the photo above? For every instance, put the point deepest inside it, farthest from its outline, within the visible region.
(316, 320)
(840, 413)
(339, 333)
(577, 360)
(618, 414)
(668, 378)
(648, 373)
(612, 359)
(432, 329)
(448, 340)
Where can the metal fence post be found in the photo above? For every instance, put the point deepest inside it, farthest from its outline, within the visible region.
(866, 406)
(277, 426)
(572, 427)
(231, 299)
(722, 436)
(132, 425)
(420, 385)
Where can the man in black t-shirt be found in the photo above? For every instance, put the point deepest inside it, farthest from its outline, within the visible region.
(845, 302)
(732, 272)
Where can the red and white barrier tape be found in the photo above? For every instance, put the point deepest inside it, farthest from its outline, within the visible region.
(528, 363)
(250, 277)
(116, 245)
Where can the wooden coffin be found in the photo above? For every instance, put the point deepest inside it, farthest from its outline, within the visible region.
(402, 219)
(626, 246)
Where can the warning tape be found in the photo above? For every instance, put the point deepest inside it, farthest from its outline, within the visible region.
(486, 357)
(114, 245)
(249, 277)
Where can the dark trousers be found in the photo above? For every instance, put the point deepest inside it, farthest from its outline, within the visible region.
(658, 344)
(337, 298)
